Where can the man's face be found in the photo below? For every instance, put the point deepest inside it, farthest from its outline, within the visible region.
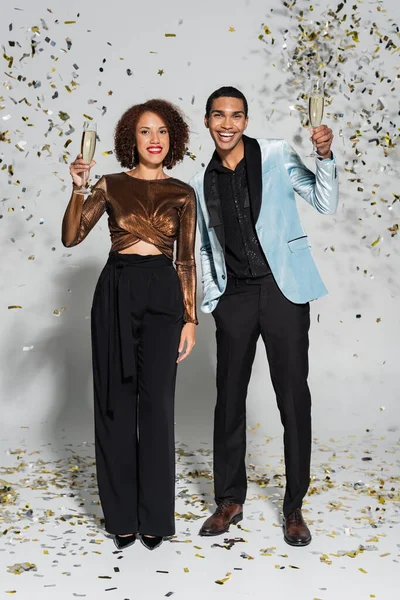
(226, 122)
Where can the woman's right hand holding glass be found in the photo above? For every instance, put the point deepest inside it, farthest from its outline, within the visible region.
(80, 171)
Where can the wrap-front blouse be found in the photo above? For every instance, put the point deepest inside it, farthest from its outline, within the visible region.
(156, 211)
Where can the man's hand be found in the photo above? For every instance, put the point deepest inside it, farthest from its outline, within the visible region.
(322, 137)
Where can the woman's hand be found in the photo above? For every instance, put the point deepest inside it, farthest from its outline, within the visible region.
(188, 336)
(80, 171)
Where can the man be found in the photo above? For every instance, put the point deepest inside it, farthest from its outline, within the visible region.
(258, 279)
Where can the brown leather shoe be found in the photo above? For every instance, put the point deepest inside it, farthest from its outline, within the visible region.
(296, 531)
(226, 513)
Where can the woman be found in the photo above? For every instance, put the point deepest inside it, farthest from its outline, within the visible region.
(143, 317)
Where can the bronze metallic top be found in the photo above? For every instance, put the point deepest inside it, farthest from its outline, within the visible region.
(156, 211)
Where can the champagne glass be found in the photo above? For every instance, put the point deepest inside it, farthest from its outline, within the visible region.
(88, 147)
(316, 105)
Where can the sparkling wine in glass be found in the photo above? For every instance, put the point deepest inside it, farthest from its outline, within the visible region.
(88, 147)
(316, 105)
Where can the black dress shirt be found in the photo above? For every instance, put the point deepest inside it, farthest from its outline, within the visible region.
(244, 256)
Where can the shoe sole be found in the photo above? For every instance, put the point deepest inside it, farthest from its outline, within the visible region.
(233, 521)
(298, 544)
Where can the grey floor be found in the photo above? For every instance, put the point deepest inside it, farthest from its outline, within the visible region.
(53, 544)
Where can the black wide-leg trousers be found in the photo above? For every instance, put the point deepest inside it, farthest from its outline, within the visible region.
(137, 318)
(248, 309)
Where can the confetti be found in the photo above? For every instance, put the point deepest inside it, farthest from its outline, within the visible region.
(378, 239)
(350, 45)
(224, 580)
(20, 568)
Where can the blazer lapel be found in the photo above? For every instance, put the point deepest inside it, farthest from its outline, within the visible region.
(213, 203)
(253, 159)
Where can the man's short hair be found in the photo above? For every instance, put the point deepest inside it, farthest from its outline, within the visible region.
(226, 92)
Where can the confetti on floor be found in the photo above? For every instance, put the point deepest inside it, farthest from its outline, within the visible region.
(52, 529)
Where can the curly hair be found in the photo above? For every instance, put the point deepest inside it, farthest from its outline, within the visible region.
(125, 133)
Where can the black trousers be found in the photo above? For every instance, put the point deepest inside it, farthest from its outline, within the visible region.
(137, 318)
(247, 309)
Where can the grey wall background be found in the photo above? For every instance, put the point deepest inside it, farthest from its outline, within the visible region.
(45, 378)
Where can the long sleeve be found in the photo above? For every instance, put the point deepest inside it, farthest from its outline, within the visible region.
(82, 215)
(319, 190)
(185, 258)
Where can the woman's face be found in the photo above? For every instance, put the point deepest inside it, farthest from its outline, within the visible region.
(152, 139)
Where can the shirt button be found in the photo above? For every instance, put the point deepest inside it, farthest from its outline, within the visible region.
(223, 277)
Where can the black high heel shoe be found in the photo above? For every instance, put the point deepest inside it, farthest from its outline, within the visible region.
(151, 543)
(124, 541)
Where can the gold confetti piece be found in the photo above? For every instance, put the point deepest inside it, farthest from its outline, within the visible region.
(186, 570)
(267, 31)
(363, 570)
(224, 580)
(11, 592)
(107, 153)
(14, 306)
(63, 116)
(160, 72)
(88, 117)
(170, 35)
(376, 242)
(247, 530)
(232, 29)
(199, 556)
(69, 22)
(374, 539)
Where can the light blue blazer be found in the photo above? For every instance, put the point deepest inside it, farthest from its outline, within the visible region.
(278, 225)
